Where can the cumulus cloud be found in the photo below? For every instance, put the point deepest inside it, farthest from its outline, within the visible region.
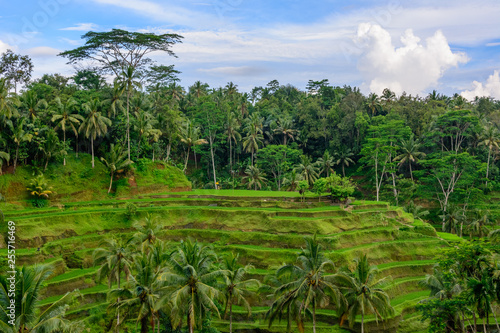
(489, 89)
(412, 67)
(43, 51)
(4, 47)
(81, 27)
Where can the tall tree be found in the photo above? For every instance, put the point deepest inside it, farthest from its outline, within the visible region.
(491, 140)
(363, 293)
(95, 124)
(19, 135)
(16, 68)
(191, 280)
(309, 283)
(129, 81)
(115, 161)
(65, 117)
(117, 50)
(236, 288)
(409, 152)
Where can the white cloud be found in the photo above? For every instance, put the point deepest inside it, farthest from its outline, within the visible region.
(82, 27)
(4, 47)
(489, 89)
(493, 44)
(43, 52)
(174, 15)
(413, 67)
(234, 71)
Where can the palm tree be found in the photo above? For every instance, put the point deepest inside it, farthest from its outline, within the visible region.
(175, 93)
(51, 147)
(8, 104)
(344, 158)
(235, 287)
(190, 137)
(19, 135)
(190, 281)
(285, 128)
(115, 99)
(307, 169)
(373, 103)
(363, 293)
(143, 125)
(490, 139)
(198, 89)
(128, 82)
(147, 232)
(232, 127)
(114, 257)
(3, 157)
(308, 284)
(32, 104)
(142, 293)
(254, 177)
(28, 294)
(115, 161)
(254, 136)
(64, 118)
(325, 163)
(95, 124)
(410, 152)
(479, 223)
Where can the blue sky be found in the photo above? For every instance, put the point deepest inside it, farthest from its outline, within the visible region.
(413, 46)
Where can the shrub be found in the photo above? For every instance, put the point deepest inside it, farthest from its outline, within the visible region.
(131, 210)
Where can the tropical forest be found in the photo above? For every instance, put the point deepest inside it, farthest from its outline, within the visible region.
(132, 201)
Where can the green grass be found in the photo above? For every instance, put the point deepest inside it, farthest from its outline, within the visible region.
(76, 273)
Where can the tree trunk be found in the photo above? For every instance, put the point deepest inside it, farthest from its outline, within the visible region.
(362, 322)
(64, 140)
(230, 155)
(92, 148)
(110, 182)
(314, 319)
(411, 173)
(231, 318)
(15, 160)
(488, 166)
(144, 325)
(76, 143)
(128, 123)
(186, 163)
(213, 162)
(343, 173)
(395, 191)
(118, 301)
(169, 146)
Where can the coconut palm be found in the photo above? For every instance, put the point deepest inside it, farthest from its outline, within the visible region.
(232, 127)
(143, 125)
(254, 136)
(129, 80)
(8, 103)
(254, 177)
(410, 152)
(65, 117)
(191, 279)
(325, 163)
(32, 104)
(343, 157)
(479, 223)
(452, 219)
(285, 128)
(51, 147)
(115, 101)
(190, 137)
(19, 135)
(363, 293)
(307, 169)
(235, 287)
(95, 124)
(141, 294)
(491, 140)
(175, 93)
(114, 257)
(373, 103)
(198, 89)
(115, 161)
(147, 232)
(308, 284)
(3, 157)
(28, 314)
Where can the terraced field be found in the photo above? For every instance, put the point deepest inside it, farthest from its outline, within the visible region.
(266, 231)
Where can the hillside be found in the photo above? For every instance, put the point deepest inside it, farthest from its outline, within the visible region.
(265, 228)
